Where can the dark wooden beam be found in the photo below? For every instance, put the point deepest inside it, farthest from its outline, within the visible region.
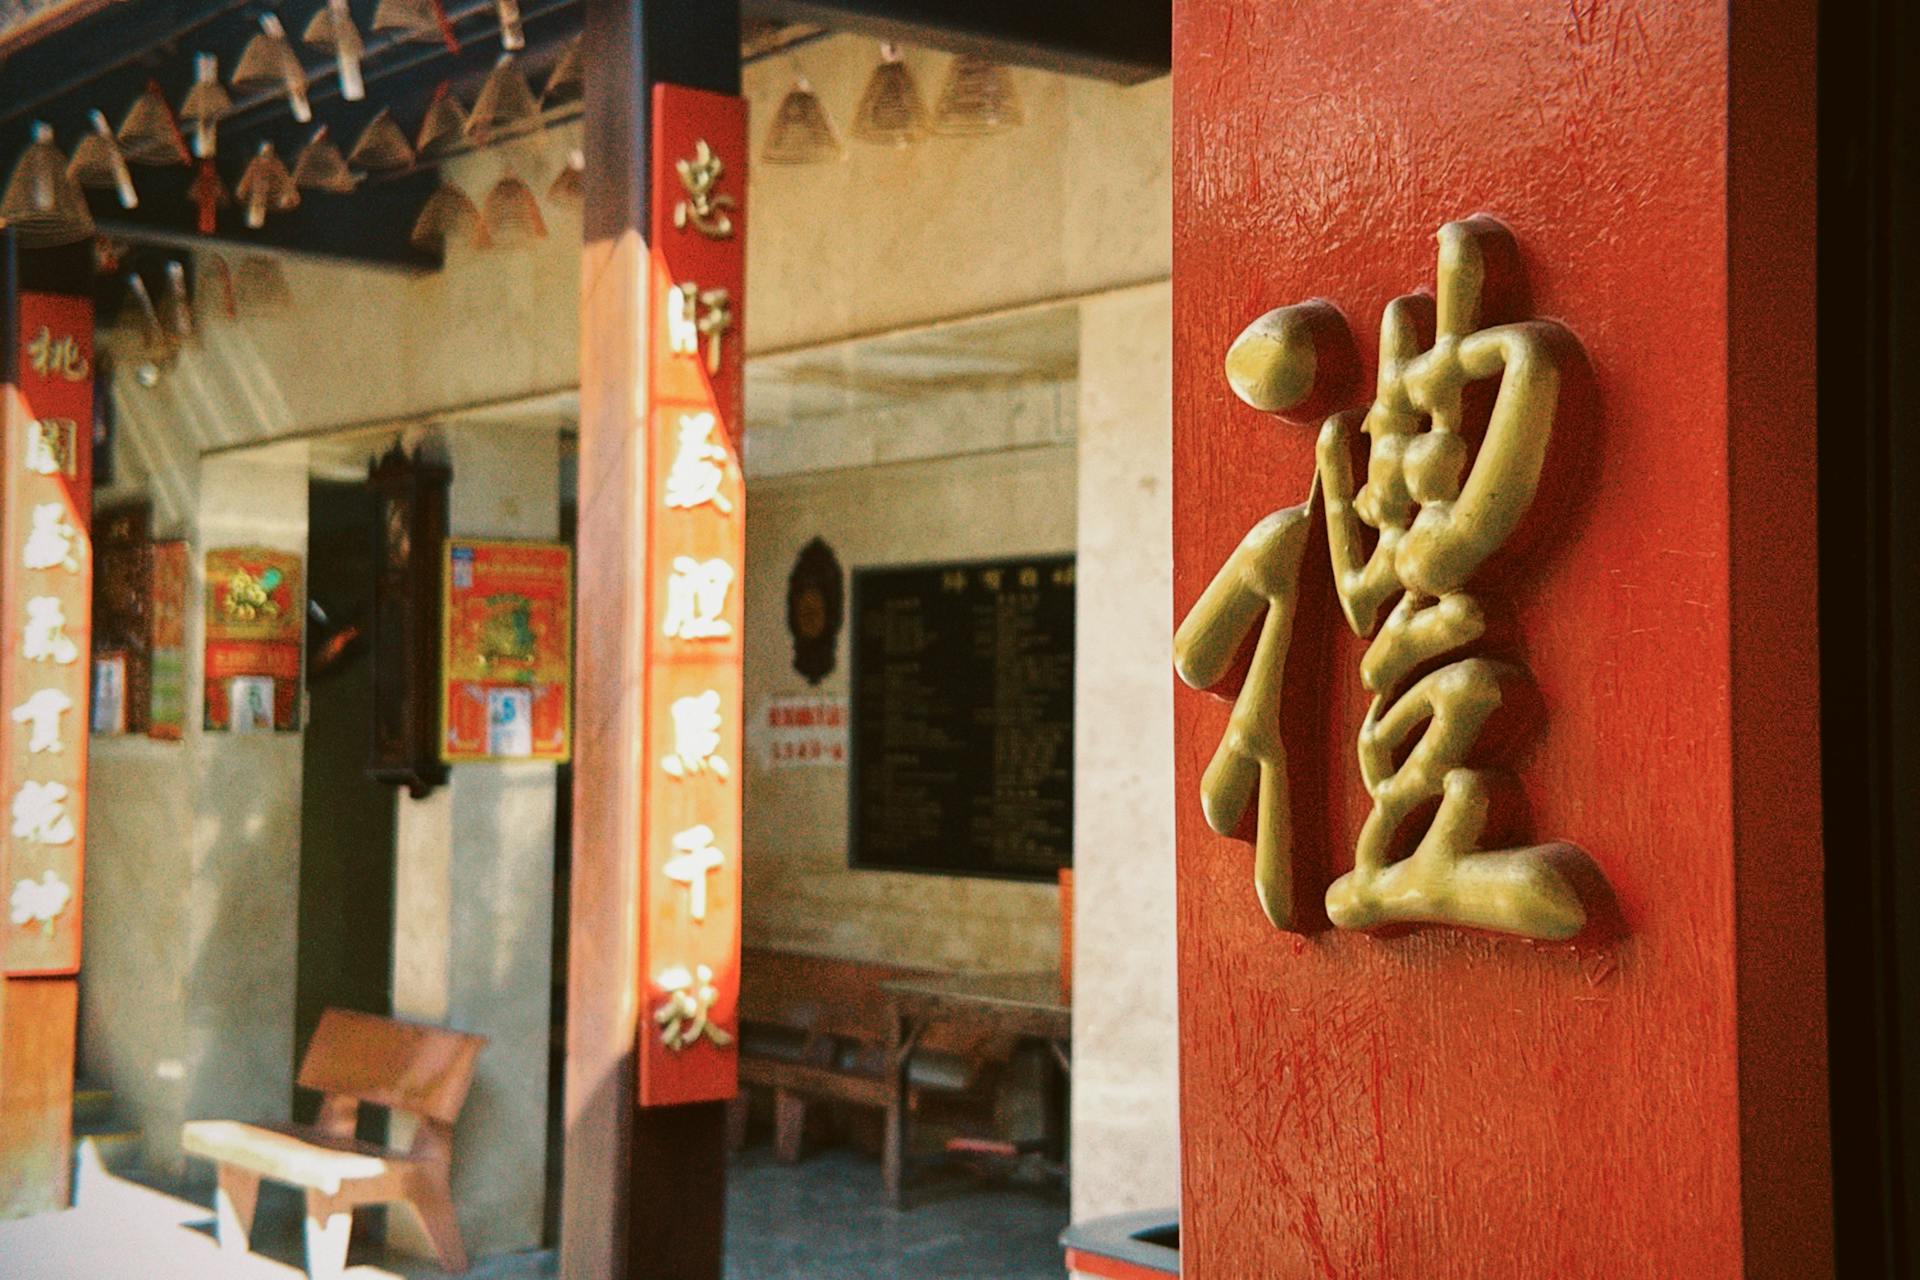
(644, 1190)
(1125, 40)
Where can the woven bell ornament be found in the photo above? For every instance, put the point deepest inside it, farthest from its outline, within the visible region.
(321, 167)
(448, 216)
(445, 125)
(260, 286)
(42, 204)
(332, 29)
(506, 99)
(266, 187)
(891, 111)
(569, 187)
(204, 104)
(801, 131)
(158, 348)
(510, 216)
(97, 162)
(149, 134)
(269, 64)
(209, 196)
(381, 146)
(512, 38)
(977, 99)
(568, 79)
(416, 20)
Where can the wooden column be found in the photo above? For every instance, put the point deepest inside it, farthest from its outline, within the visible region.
(644, 1189)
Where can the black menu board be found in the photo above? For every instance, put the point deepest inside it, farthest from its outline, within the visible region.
(963, 718)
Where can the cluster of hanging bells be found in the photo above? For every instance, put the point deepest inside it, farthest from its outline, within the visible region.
(45, 204)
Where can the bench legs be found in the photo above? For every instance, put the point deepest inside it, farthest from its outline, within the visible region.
(233, 1204)
(329, 1227)
(434, 1206)
(789, 1125)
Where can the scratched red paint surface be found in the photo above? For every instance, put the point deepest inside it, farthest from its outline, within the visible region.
(1437, 1104)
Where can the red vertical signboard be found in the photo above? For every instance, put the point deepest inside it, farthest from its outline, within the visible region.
(690, 812)
(47, 603)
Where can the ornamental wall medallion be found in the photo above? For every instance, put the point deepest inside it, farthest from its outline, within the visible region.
(1405, 544)
(816, 608)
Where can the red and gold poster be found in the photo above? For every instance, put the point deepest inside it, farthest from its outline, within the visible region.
(507, 652)
(167, 707)
(691, 771)
(46, 592)
(256, 616)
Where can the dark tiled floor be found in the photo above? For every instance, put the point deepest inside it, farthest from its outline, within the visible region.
(823, 1219)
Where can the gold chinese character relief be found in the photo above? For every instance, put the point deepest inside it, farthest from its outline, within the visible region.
(704, 209)
(694, 314)
(39, 903)
(1406, 542)
(53, 356)
(685, 1016)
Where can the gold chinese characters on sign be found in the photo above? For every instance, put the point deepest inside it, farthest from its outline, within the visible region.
(703, 209)
(1433, 509)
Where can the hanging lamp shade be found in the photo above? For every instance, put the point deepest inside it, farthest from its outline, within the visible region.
(42, 204)
(381, 146)
(568, 79)
(569, 186)
(801, 132)
(268, 64)
(444, 126)
(891, 111)
(260, 286)
(505, 100)
(209, 196)
(977, 99)
(512, 38)
(158, 348)
(266, 187)
(215, 279)
(416, 20)
(204, 104)
(321, 167)
(449, 216)
(97, 162)
(331, 28)
(149, 134)
(510, 216)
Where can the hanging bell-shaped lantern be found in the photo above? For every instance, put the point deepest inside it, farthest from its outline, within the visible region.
(266, 187)
(506, 100)
(449, 216)
(510, 216)
(204, 104)
(569, 187)
(176, 309)
(321, 167)
(568, 79)
(269, 64)
(332, 29)
(511, 37)
(42, 204)
(801, 132)
(158, 348)
(97, 162)
(416, 20)
(891, 111)
(444, 126)
(260, 286)
(381, 146)
(209, 196)
(978, 98)
(149, 134)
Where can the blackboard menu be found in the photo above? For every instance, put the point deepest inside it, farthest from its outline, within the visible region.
(963, 718)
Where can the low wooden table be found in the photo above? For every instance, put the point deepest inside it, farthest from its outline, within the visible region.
(1027, 1005)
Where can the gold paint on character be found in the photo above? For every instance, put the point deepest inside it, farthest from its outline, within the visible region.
(1437, 510)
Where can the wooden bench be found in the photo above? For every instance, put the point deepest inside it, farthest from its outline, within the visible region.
(354, 1058)
(815, 1028)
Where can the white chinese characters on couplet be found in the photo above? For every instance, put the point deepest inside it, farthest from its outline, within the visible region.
(696, 599)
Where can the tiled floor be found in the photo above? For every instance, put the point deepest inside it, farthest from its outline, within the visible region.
(820, 1220)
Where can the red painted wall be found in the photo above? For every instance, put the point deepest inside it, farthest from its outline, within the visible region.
(1649, 1100)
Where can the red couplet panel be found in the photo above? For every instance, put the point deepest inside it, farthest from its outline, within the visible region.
(46, 600)
(691, 767)
(1649, 1098)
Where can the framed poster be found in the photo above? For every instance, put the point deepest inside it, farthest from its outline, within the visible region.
(256, 622)
(167, 688)
(963, 718)
(507, 651)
